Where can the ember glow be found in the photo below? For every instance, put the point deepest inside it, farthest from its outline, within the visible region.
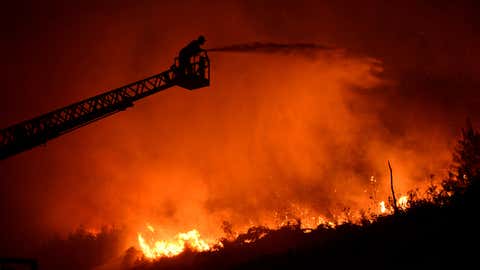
(383, 208)
(402, 203)
(154, 249)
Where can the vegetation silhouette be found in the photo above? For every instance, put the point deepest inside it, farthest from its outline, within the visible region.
(82, 249)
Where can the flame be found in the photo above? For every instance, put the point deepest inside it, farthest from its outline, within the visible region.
(383, 208)
(154, 249)
(295, 212)
(164, 248)
(403, 202)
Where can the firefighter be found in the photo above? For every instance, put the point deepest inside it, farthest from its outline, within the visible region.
(192, 49)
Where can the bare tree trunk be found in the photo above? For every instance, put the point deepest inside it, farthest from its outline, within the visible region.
(395, 208)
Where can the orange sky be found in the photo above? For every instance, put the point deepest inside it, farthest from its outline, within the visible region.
(271, 130)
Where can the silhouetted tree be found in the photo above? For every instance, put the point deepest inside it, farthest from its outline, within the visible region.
(466, 157)
(394, 203)
(466, 162)
(466, 166)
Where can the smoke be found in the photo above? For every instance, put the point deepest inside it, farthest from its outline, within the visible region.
(272, 47)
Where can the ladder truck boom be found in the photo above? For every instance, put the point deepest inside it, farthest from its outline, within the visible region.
(37, 131)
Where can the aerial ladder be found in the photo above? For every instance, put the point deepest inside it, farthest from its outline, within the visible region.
(37, 131)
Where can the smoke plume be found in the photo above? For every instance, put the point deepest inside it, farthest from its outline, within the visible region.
(272, 47)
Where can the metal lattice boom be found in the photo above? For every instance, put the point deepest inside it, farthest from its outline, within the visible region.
(39, 130)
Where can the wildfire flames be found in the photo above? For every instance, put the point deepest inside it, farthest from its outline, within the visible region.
(155, 249)
(402, 203)
(383, 208)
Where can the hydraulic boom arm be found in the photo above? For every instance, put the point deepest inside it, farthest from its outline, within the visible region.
(37, 131)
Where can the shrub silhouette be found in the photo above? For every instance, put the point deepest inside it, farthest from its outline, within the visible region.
(81, 249)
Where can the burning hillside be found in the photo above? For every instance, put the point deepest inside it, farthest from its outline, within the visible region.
(154, 248)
